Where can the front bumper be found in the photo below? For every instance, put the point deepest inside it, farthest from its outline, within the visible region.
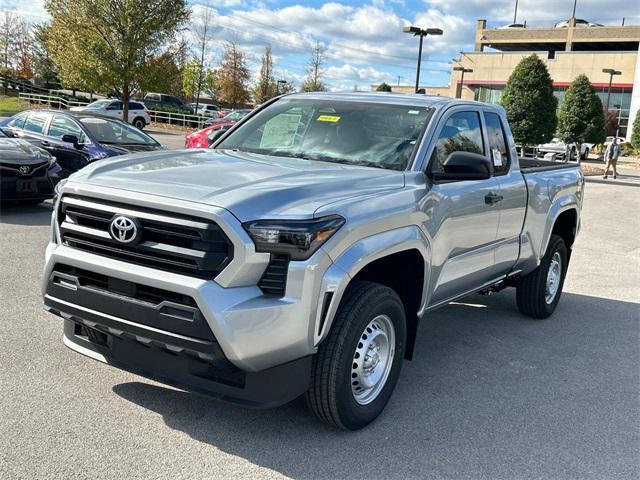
(41, 187)
(162, 336)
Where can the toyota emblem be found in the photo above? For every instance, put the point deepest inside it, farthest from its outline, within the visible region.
(124, 229)
(24, 169)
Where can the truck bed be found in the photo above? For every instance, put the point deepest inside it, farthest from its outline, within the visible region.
(531, 165)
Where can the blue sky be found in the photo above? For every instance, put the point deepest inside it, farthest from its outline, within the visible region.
(363, 38)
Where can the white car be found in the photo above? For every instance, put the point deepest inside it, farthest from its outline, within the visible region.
(557, 149)
(580, 23)
(138, 113)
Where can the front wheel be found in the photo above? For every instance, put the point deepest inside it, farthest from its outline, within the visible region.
(538, 293)
(357, 366)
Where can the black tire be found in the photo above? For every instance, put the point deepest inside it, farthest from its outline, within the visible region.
(585, 155)
(532, 289)
(139, 123)
(330, 397)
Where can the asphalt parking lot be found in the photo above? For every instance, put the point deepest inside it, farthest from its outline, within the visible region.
(490, 394)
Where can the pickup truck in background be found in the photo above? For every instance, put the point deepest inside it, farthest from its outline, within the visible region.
(299, 253)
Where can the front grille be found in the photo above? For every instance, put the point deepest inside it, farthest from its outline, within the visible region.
(172, 242)
(11, 170)
(274, 278)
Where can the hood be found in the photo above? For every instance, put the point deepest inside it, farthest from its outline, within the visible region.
(15, 150)
(251, 186)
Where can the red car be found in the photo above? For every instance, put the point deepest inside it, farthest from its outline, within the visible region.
(200, 138)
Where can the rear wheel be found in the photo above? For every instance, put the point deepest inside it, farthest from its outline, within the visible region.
(357, 366)
(538, 293)
(139, 123)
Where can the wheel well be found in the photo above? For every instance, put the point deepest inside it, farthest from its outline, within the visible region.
(404, 273)
(565, 226)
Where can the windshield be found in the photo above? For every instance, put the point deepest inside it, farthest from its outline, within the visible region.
(115, 132)
(99, 104)
(350, 132)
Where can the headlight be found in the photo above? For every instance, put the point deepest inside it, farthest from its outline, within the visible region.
(297, 238)
(58, 189)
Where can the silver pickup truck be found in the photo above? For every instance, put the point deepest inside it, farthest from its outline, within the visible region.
(299, 254)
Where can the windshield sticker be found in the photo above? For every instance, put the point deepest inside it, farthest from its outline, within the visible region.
(328, 118)
(414, 112)
(497, 158)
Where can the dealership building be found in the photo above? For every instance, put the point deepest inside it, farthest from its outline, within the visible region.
(567, 52)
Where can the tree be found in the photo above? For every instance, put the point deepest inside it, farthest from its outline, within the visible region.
(9, 28)
(635, 133)
(190, 78)
(266, 87)
(105, 44)
(233, 76)
(161, 74)
(529, 102)
(43, 64)
(313, 82)
(611, 124)
(581, 118)
(23, 51)
(203, 32)
(383, 87)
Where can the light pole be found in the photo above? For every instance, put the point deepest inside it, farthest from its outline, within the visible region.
(611, 73)
(421, 32)
(461, 86)
(515, 12)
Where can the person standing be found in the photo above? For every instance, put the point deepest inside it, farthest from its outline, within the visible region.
(611, 155)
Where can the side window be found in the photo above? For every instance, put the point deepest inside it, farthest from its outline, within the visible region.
(135, 106)
(35, 122)
(65, 126)
(461, 132)
(497, 143)
(115, 106)
(17, 121)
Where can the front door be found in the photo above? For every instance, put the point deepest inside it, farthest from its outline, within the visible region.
(463, 216)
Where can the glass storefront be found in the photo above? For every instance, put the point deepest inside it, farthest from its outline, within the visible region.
(619, 102)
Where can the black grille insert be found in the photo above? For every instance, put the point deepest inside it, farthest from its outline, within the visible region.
(274, 278)
(172, 242)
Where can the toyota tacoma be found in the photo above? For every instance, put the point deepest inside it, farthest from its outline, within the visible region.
(298, 254)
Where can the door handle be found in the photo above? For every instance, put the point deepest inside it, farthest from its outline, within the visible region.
(492, 198)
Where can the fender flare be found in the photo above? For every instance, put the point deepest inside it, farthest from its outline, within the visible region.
(355, 258)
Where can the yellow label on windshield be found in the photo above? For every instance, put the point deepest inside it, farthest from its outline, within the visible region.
(328, 118)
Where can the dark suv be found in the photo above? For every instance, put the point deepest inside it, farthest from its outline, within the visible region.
(162, 100)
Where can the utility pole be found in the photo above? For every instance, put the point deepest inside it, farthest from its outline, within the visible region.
(515, 12)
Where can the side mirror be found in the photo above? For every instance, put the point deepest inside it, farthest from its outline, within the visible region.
(68, 138)
(465, 166)
(216, 134)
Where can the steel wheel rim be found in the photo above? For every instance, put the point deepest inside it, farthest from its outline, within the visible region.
(554, 274)
(372, 359)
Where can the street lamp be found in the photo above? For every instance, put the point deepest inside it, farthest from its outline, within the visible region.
(278, 83)
(461, 86)
(611, 73)
(421, 32)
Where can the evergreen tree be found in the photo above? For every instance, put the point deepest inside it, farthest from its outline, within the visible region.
(635, 132)
(383, 87)
(529, 102)
(581, 118)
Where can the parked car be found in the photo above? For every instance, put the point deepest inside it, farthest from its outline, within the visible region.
(162, 100)
(78, 138)
(514, 25)
(206, 109)
(299, 253)
(232, 116)
(556, 149)
(27, 173)
(203, 138)
(580, 23)
(138, 114)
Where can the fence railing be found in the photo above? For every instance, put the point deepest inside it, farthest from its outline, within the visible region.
(171, 118)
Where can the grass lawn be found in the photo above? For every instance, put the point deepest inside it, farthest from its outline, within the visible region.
(11, 105)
